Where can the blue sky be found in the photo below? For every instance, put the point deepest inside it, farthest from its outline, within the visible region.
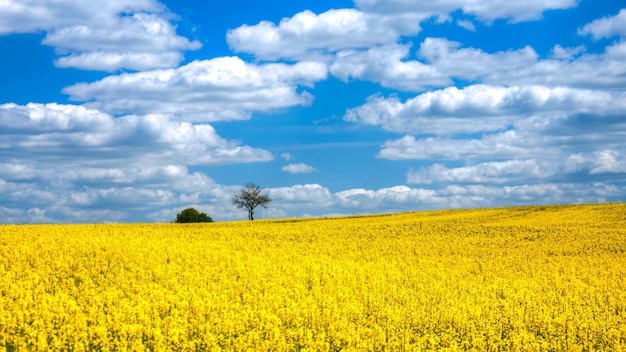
(130, 111)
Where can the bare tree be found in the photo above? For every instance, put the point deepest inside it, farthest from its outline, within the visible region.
(251, 197)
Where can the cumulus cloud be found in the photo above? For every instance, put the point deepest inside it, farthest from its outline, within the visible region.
(606, 161)
(386, 199)
(313, 195)
(299, 168)
(40, 15)
(386, 65)
(550, 144)
(509, 158)
(453, 110)
(136, 35)
(539, 193)
(493, 172)
(104, 202)
(307, 33)
(504, 135)
(535, 129)
(113, 204)
(469, 25)
(470, 63)
(440, 62)
(487, 10)
(374, 23)
(606, 27)
(52, 131)
(70, 162)
(524, 67)
(138, 42)
(224, 88)
(403, 198)
(322, 202)
(367, 44)
(500, 145)
(562, 53)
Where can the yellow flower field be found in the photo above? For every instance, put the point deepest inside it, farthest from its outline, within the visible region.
(512, 279)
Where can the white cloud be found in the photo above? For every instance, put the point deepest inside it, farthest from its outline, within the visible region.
(54, 214)
(28, 16)
(441, 61)
(131, 196)
(609, 161)
(138, 42)
(541, 193)
(519, 137)
(299, 168)
(514, 158)
(561, 53)
(367, 45)
(606, 161)
(51, 132)
(112, 61)
(488, 173)
(528, 134)
(606, 27)
(29, 202)
(501, 145)
(453, 110)
(81, 165)
(11, 215)
(617, 51)
(386, 65)
(109, 36)
(224, 88)
(524, 67)
(594, 71)
(402, 198)
(307, 34)
(140, 31)
(312, 195)
(486, 10)
(469, 25)
(549, 144)
(387, 199)
(16, 171)
(469, 63)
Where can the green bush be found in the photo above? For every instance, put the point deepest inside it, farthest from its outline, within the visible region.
(192, 215)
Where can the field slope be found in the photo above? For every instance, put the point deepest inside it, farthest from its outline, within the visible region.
(512, 279)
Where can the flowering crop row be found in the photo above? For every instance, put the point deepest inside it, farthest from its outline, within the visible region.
(513, 279)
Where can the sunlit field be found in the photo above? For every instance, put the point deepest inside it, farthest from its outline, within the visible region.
(513, 279)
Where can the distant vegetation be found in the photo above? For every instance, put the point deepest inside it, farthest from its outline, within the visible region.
(192, 215)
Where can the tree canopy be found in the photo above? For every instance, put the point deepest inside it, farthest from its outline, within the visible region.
(192, 215)
(250, 197)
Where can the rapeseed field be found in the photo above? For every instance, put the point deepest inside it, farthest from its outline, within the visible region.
(512, 279)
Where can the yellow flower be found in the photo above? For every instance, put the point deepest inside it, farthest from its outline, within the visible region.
(511, 279)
